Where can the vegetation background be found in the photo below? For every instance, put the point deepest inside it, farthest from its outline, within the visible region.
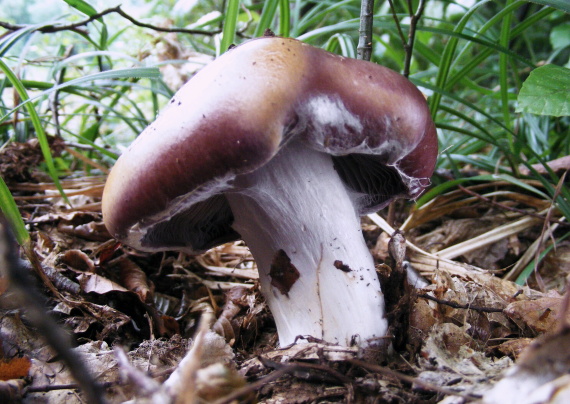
(80, 79)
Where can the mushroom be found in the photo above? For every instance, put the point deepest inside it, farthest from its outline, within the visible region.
(285, 146)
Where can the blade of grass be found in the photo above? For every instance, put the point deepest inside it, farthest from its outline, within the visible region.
(440, 189)
(230, 24)
(447, 58)
(503, 67)
(267, 16)
(284, 18)
(41, 135)
(82, 6)
(342, 41)
(562, 5)
(529, 268)
(10, 210)
(134, 72)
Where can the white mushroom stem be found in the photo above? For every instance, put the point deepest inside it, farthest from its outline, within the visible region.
(298, 204)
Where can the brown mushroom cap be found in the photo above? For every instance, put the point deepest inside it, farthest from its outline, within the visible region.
(166, 190)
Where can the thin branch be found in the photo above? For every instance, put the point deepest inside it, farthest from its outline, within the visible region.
(397, 22)
(409, 46)
(408, 43)
(412, 380)
(364, 49)
(456, 305)
(48, 29)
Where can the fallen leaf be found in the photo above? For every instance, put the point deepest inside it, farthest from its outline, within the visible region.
(540, 315)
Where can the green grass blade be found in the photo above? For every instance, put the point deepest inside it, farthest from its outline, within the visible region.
(528, 270)
(447, 58)
(440, 189)
(10, 210)
(284, 18)
(82, 6)
(503, 67)
(42, 138)
(344, 43)
(562, 5)
(133, 72)
(266, 18)
(230, 24)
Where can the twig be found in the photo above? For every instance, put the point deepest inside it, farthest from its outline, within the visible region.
(456, 305)
(544, 230)
(301, 369)
(48, 29)
(408, 43)
(364, 49)
(409, 46)
(232, 397)
(412, 380)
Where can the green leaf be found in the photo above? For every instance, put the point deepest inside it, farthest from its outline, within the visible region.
(82, 6)
(560, 36)
(546, 92)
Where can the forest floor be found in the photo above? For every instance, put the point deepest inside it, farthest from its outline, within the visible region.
(167, 326)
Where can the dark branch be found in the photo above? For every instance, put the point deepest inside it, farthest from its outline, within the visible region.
(456, 305)
(408, 43)
(364, 49)
(409, 46)
(48, 29)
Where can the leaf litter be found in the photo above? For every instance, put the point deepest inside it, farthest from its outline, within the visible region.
(168, 327)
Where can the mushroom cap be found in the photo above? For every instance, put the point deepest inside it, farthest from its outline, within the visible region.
(166, 191)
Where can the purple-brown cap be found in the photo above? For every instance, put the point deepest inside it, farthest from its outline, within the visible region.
(166, 192)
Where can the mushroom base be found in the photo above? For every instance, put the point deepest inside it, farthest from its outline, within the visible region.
(316, 272)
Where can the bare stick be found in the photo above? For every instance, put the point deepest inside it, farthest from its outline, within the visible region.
(364, 49)
(409, 46)
(456, 305)
(75, 27)
(408, 43)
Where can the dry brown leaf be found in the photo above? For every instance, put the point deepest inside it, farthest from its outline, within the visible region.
(541, 315)
(98, 284)
(14, 368)
(134, 278)
(514, 347)
(533, 379)
(77, 260)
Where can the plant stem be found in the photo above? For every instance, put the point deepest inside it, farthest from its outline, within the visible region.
(364, 49)
(409, 46)
(408, 43)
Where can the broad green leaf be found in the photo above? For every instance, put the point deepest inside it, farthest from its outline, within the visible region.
(560, 36)
(546, 92)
